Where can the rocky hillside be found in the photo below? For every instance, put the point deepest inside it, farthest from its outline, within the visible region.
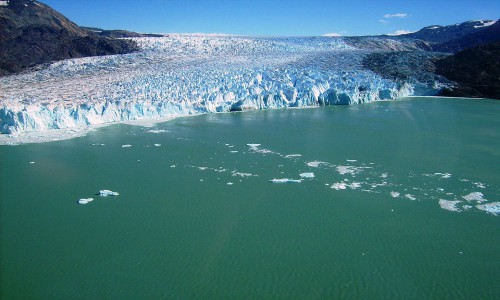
(476, 70)
(32, 33)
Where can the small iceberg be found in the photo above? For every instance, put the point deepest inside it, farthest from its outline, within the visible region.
(126, 146)
(85, 200)
(492, 208)
(307, 175)
(450, 205)
(106, 193)
(475, 196)
(285, 180)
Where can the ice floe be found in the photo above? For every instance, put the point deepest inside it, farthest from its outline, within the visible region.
(492, 208)
(106, 193)
(450, 205)
(316, 163)
(342, 170)
(475, 196)
(240, 174)
(126, 146)
(410, 196)
(85, 200)
(307, 175)
(285, 180)
(395, 194)
(157, 131)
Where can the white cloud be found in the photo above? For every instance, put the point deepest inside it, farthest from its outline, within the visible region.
(398, 15)
(383, 21)
(332, 34)
(400, 32)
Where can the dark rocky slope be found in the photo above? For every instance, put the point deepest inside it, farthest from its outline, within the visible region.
(476, 70)
(32, 33)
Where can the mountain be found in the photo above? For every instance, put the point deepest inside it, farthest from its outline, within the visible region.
(454, 38)
(32, 33)
(487, 34)
(442, 34)
(476, 70)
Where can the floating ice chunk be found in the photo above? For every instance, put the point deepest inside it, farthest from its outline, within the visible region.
(106, 193)
(316, 163)
(234, 151)
(339, 186)
(172, 166)
(157, 145)
(395, 194)
(442, 175)
(240, 174)
(475, 196)
(384, 175)
(307, 175)
(126, 146)
(293, 155)
(85, 200)
(32, 162)
(229, 183)
(350, 170)
(410, 196)
(351, 160)
(202, 168)
(253, 145)
(354, 185)
(343, 185)
(157, 131)
(492, 208)
(285, 180)
(480, 185)
(450, 205)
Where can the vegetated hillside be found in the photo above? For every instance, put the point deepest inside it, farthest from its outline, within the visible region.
(476, 70)
(32, 33)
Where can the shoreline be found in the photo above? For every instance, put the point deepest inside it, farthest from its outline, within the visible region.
(53, 135)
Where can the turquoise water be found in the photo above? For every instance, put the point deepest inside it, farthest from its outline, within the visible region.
(198, 217)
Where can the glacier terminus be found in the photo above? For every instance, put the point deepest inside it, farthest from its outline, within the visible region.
(189, 74)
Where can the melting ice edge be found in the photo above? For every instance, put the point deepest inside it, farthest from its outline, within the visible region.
(186, 74)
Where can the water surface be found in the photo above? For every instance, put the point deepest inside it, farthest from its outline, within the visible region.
(197, 215)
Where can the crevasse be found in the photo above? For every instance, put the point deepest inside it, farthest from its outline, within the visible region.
(192, 74)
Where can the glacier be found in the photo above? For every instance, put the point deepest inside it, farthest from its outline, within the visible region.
(190, 74)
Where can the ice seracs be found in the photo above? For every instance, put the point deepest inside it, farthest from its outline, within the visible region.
(180, 75)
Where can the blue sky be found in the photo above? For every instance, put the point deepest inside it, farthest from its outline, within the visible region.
(274, 17)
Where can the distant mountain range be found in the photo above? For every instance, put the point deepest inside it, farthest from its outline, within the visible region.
(32, 33)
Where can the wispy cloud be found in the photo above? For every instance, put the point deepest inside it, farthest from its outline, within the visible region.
(400, 32)
(398, 15)
(332, 34)
(383, 21)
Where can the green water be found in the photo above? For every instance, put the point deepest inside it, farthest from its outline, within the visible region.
(179, 230)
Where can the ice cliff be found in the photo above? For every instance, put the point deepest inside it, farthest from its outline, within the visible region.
(192, 74)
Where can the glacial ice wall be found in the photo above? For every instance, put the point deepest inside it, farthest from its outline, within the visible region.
(191, 74)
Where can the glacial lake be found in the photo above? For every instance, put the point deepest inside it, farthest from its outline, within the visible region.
(386, 200)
